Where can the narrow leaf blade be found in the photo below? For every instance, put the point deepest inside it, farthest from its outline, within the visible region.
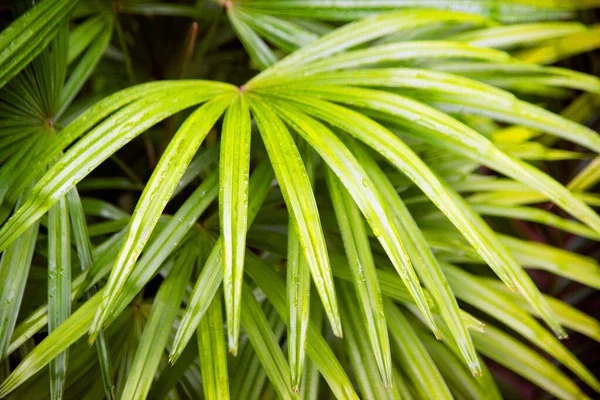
(297, 190)
(234, 167)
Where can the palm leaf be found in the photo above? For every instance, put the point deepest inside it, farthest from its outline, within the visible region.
(298, 285)
(213, 354)
(234, 167)
(365, 282)
(426, 87)
(263, 340)
(159, 189)
(210, 277)
(359, 184)
(59, 286)
(468, 222)
(413, 356)
(295, 185)
(29, 35)
(156, 331)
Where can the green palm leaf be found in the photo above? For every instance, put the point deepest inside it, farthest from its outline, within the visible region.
(159, 189)
(414, 359)
(298, 285)
(360, 259)
(495, 304)
(233, 204)
(213, 353)
(316, 347)
(426, 263)
(30, 34)
(14, 268)
(407, 225)
(295, 185)
(59, 286)
(156, 331)
(212, 273)
(76, 163)
(510, 352)
(358, 183)
(474, 229)
(263, 340)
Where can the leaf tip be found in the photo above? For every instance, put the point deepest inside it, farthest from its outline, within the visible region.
(562, 335)
(336, 323)
(233, 345)
(388, 381)
(92, 337)
(475, 368)
(557, 328)
(337, 331)
(94, 330)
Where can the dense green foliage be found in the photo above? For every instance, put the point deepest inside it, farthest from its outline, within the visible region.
(315, 187)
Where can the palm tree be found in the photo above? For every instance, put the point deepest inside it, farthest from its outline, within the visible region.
(328, 199)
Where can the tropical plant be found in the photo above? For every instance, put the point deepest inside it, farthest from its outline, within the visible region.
(350, 174)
